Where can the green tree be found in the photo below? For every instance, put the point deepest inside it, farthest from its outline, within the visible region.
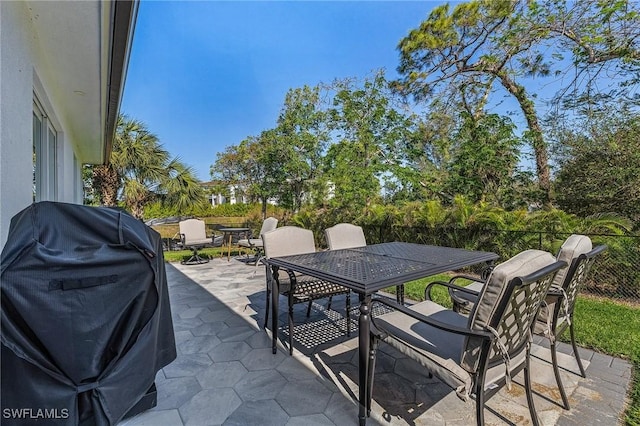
(253, 168)
(140, 171)
(426, 155)
(461, 53)
(601, 170)
(285, 162)
(369, 132)
(303, 135)
(485, 159)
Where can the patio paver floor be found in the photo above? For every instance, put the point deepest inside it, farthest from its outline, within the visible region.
(225, 373)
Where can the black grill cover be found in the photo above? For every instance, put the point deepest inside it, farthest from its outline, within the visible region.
(86, 322)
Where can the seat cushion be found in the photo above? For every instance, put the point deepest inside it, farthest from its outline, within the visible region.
(492, 293)
(437, 350)
(573, 247)
(520, 265)
(251, 242)
(198, 242)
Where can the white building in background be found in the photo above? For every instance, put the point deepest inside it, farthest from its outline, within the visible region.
(236, 194)
(62, 73)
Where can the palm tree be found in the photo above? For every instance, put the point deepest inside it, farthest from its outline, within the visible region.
(141, 171)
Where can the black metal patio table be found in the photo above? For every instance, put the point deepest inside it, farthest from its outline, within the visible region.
(365, 270)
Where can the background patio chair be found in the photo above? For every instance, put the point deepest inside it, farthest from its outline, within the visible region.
(255, 244)
(479, 354)
(344, 235)
(287, 241)
(193, 235)
(556, 313)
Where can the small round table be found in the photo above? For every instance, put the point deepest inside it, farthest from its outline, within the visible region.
(230, 232)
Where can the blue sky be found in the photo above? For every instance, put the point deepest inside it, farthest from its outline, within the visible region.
(204, 75)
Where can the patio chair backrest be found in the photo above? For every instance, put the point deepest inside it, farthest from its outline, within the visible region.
(508, 304)
(345, 235)
(192, 230)
(577, 252)
(288, 240)
(573, 247)
(269, 224)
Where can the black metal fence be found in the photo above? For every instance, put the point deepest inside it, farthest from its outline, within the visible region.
(615, 275)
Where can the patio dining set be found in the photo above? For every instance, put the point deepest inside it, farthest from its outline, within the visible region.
(476, 347)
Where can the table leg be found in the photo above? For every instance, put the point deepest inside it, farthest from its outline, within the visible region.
(229, 247)
(400, 294)
(275, 297)
(364, 341)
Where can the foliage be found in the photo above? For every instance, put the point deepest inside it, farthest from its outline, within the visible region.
(159, 210)
(458, 55)
(303, 132)
(484, 162)
(327, 156)
(91, 196)
(369, 132)
(140, 171)
(483, 226)
(253, 167)
(281, 163)
(426, 155)
(602, 152)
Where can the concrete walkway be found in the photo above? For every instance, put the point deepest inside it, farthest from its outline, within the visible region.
(225, 373)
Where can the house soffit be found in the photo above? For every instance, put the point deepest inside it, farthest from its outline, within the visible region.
(76, 42)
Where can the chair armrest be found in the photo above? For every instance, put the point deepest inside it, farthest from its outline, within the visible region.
(451, 287)
(430, 321)
(183, 239)
(465, 277)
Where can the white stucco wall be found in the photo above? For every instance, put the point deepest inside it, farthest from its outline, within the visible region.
(16, 100)
(23, 71)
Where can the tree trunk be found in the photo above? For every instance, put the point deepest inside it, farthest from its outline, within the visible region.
(538, 143)
(264, 207)
(137, 211)
(106, 183)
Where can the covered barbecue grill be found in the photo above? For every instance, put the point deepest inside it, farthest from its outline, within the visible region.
(86, 322)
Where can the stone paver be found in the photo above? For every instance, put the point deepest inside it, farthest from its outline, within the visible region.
(258, 385)
(302, 397)
(225, 373)
(210, 407)
(270, 413)
(187, 365)
(222, 375)
(175, 392)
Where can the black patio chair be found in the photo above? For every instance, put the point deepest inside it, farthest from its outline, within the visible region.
(299, 288)
(479, 354)
(556, 314)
